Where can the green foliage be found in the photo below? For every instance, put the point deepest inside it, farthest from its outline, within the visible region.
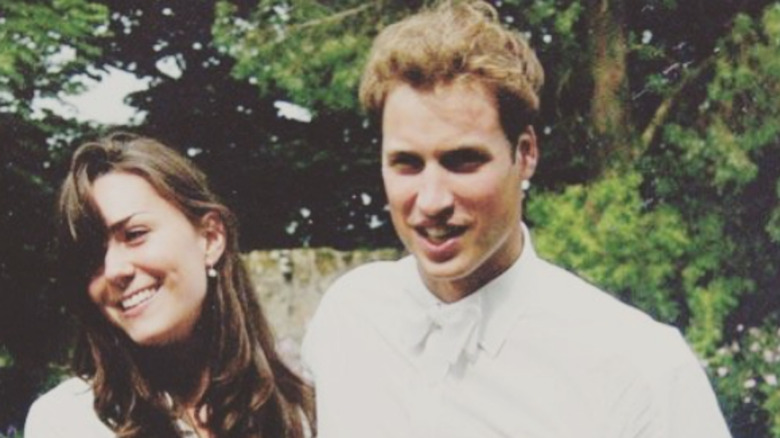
(732, 167)
(316, 49)
(690, 234)
(746, 372)
(604, 232)
(6, 360)
(566, 19)
(44, 45)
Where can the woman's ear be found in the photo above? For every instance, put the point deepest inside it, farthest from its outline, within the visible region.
(212, 228)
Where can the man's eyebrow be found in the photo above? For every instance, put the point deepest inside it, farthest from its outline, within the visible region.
(400, 152)
(470, 148)
(467, 147)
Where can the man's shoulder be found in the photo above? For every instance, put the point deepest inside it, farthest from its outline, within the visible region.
(350, 309)
(610, 326)
(644, 366)
(367, 281)
(361, 292)
(565, 293)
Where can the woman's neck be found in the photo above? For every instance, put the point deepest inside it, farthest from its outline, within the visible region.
(179, 369)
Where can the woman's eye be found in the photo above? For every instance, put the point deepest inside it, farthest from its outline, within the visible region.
(135, 234)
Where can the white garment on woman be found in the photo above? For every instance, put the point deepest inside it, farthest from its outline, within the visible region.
(67, 411)
(536, 353)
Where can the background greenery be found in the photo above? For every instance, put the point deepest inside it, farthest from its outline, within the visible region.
(659, 180)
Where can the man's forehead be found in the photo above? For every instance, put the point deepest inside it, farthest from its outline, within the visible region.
(456, 109)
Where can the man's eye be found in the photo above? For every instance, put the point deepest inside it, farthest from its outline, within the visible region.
(464, 161)
(406, 163)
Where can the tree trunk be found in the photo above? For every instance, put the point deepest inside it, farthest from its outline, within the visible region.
(609, 107)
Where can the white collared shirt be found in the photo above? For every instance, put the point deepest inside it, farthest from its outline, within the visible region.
(536, 353)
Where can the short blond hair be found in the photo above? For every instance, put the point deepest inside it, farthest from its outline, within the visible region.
(456, 42)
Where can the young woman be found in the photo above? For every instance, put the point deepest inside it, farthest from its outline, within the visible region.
(174, 340)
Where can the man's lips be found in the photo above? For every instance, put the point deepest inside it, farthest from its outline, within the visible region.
(440, 233)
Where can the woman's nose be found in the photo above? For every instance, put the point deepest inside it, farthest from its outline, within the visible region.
(118, 268)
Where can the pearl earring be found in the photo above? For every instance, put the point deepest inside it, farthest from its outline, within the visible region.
(525, 185)
(211, 272)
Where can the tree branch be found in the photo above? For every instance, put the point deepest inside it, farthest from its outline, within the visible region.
(335, 17)
(662, 112)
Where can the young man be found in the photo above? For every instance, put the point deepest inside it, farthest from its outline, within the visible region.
(473, 335)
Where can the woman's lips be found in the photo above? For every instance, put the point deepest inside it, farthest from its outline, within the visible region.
(132, 303)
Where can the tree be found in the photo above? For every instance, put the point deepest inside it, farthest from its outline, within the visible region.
(46, 44)
(272, 170)
(689, 233)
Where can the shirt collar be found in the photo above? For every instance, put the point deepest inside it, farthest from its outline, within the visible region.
(507, 297)
(501, 301)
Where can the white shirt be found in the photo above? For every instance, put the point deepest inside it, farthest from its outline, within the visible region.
(536, 353)
(67, 411)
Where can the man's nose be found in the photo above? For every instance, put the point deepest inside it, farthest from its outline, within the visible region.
(118, 269)
(434, 197)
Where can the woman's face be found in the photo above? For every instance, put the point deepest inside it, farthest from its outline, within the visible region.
(152, 282)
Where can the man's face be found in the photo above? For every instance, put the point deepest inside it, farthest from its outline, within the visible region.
(453, 184)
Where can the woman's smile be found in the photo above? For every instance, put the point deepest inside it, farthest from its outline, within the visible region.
(152, 282)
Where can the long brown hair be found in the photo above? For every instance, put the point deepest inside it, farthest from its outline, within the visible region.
(250, 391)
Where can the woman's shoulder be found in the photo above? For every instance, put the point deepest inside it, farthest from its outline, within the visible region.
(70, 387)
(69, 393)
(67, 408)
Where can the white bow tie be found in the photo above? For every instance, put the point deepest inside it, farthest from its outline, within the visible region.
(448, 332)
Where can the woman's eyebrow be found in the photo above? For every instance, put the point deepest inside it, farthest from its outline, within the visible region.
(119, 224)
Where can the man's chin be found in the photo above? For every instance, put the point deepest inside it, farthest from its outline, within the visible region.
(448, 271)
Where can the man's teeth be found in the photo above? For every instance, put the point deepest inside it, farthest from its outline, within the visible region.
(440, 233)
(138, 298)
(437, 233)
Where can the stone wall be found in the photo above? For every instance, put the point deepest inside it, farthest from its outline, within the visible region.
(290, 284)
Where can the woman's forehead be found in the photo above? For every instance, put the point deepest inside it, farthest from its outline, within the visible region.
(118, 195)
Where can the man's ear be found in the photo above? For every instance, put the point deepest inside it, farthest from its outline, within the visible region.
(212, 228)
(527, 152)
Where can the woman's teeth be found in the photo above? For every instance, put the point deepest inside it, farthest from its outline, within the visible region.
(138, 298)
